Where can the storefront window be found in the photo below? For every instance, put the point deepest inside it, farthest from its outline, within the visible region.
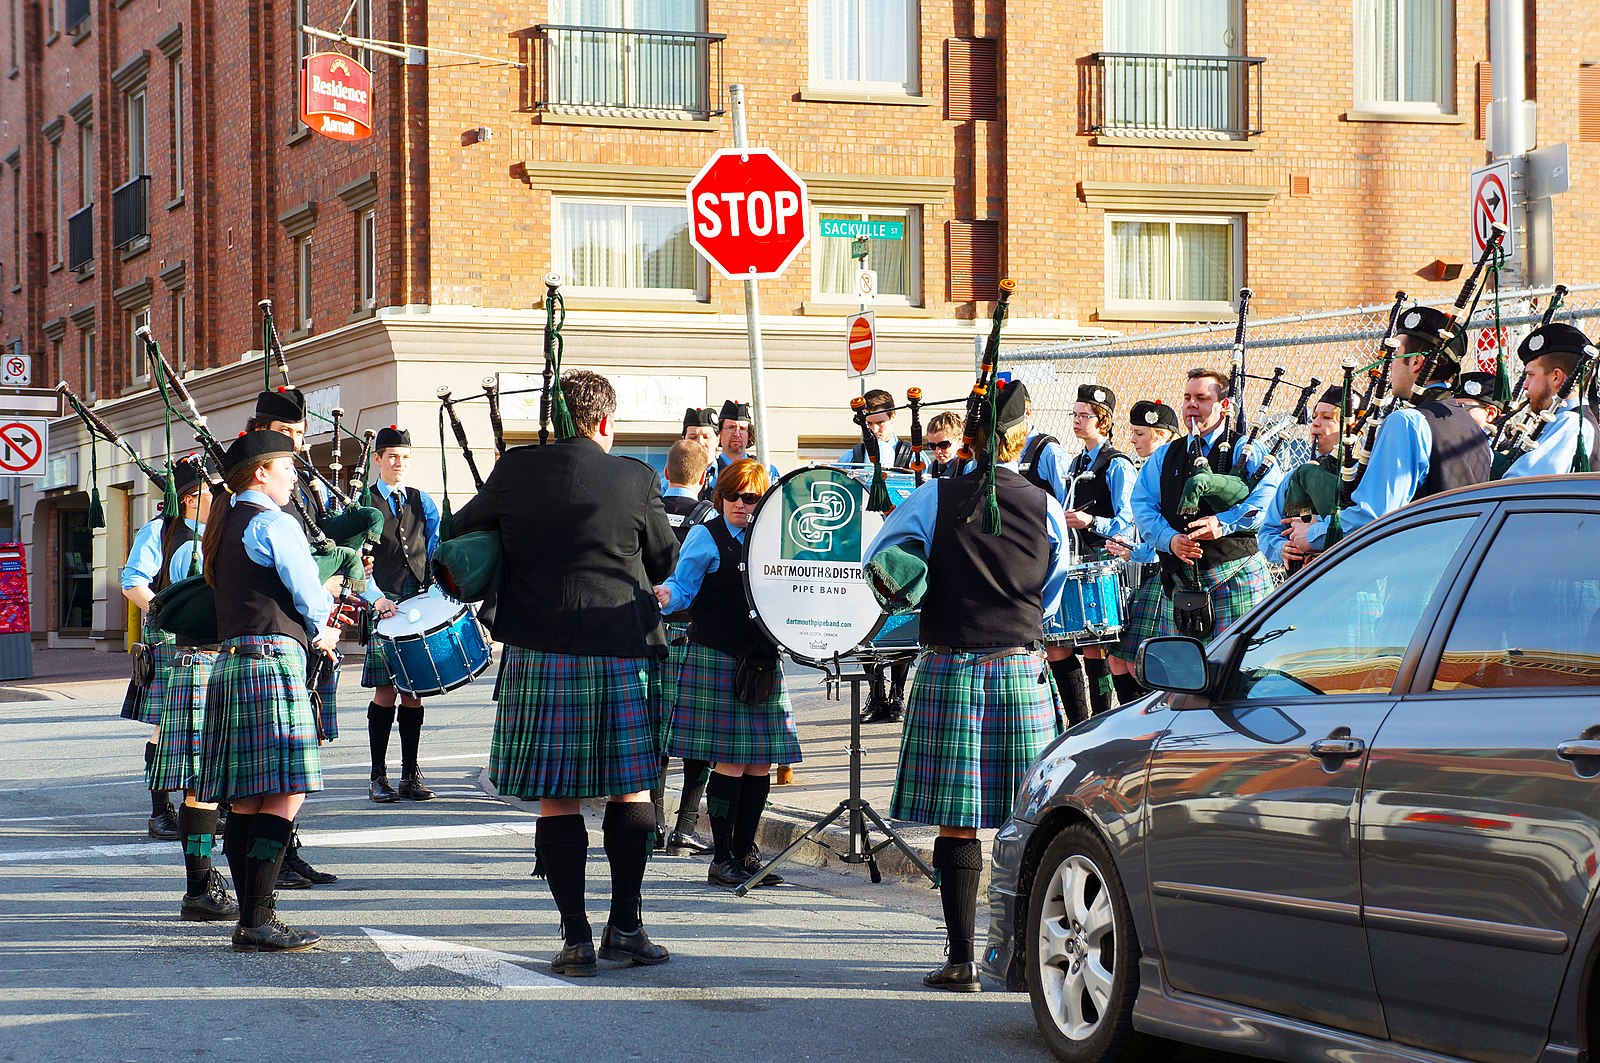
(77, 571)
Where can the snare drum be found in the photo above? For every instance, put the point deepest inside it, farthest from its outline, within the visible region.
(434, 644)
(1091, 606)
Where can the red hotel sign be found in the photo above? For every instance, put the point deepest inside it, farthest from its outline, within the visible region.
(336, 96)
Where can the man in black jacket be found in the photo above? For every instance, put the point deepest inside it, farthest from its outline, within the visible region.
(583, 537)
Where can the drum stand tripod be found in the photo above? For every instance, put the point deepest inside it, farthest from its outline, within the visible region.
(861, 849)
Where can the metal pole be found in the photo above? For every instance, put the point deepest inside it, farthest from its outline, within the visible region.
(1508, 122)
(861, 264)
(752, 305)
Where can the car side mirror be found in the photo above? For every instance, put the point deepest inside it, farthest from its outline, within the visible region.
(1173, 663)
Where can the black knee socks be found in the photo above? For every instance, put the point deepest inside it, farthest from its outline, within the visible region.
(723, 797)
(752, 802)
(562, 843)
(1068, 674)
(409, 721)
(380, 719)
(629, 827)
(158, 798)
(236, 846)
(696, 773)
(959, 862)
(1127, 687)
(198, 826)
(269, 837)
(658, 797)
(1098, 670)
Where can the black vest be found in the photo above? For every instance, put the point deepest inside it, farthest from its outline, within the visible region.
(1028, 464)
(1092, 494)
(182, 535)
(902, 454)
(251, 599)
(719, 616)
(1461, 454)
(985, 592)
(403, 547)
(944, 470)
(684, 513)
(1175, 470)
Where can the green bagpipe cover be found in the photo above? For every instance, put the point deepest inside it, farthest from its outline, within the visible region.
(188, 608)
(465, 565)
(1312, 490)
(1220, 489)
(355, 527)
(898, 577)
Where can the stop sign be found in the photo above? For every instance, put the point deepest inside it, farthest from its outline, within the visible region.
(748, 213)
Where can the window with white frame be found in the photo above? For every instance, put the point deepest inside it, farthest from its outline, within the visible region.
(1405, 55)
(58, 213)
(898, 263)
(865, 45)
(1175, 262)
(180, 330)
(302, 284)
(175, 146)
(85, 164)
(58, 363)
(138, 364)
(629, 53)
(367, 260)
(86, 348)
(637, 247)
(138, 159)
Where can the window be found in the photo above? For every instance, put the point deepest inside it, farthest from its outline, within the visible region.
(304, 43)
(180, 330)
(1181, 262)
(138, 364)
(1170, 68)
(175, 143)
(1530, 625)
(898, 263)
(367, 260)
(628, 246)
(58, 214)
(302, 284)
(138, 161)
(363, 13)
(628, 53)
(16, 225)
(58, 365)
(1405, 55)
(85, 164)
(90, 391)
(14, 22)
(865, 45)
(1346, 632)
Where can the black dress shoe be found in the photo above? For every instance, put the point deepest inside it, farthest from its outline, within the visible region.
(687, 843)
(954, 978)
(660, 845)
(381, 792)
(290, 879)
(632, 946)
(293, 862)
(752, 864)
(212, 906)
(728, 873)
(411, 788)
(164, 826)
(272, 935)
(576, 960)
(893, 712)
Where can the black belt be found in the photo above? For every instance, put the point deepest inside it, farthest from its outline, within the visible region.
(987, 653)
(260, 653)
(190, 655)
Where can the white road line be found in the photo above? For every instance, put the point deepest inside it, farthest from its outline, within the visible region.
(380, 837)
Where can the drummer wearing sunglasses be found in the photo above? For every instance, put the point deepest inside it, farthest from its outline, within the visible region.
(943, 439)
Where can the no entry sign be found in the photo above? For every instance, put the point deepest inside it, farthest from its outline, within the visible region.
(24, 442)
(860, 344)
(1491, 206)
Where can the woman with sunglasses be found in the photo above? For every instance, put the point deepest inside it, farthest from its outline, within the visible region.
(943, 439)
(724, 713)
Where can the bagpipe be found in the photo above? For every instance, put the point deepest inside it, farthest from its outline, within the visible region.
(1519, 429)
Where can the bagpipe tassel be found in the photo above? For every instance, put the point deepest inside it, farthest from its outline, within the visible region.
(991, 511)
(560, 416)
(447, 522)
(878, 495)
(97, 512)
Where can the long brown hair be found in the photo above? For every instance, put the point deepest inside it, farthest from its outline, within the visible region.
(236, 482)
(172, 526)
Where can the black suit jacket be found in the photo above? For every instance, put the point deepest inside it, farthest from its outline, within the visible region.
(583, 539)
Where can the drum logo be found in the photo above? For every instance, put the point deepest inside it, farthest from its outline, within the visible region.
(820, 520)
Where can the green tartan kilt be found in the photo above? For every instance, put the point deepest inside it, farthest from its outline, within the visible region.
(260, 735)
(1148, 609)
(572, 726)
(328, 692)
(1235, 587)
(709, 723)
(183, 711)
(143, 704)
(375, 668)
(972, 731)
(677, 650)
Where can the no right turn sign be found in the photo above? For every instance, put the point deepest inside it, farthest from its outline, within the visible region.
(24, 444)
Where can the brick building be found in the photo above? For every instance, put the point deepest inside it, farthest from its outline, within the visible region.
(1129, 162)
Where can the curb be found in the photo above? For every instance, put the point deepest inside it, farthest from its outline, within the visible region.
(15, 694)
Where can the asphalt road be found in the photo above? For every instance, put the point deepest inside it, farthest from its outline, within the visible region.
(436, 939)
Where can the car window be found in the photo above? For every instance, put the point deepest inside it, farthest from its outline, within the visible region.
(1346, 632)
(1532, 615)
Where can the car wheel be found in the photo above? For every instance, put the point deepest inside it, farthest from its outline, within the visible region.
(1082, 956)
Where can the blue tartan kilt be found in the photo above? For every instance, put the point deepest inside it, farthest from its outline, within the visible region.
(1148, 608)
(709, 723)
(183, 711)
(260, 736)
(972, 731)
(328, 692)
(573, 726)
(1235, 588)
(143, 704)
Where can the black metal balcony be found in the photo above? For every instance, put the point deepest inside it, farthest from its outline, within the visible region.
(130, 211)
(77, 13)
(80, 238)
(1194, 97)
(642, 73)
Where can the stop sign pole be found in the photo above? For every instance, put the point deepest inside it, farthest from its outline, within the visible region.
(752, 307)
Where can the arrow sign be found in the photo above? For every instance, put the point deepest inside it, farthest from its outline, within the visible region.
(24, 443)
(1491, 206)
(408, 953)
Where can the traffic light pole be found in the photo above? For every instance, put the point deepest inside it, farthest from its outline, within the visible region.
(752, 305)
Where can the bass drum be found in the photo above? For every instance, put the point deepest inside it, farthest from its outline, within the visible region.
(803, 565)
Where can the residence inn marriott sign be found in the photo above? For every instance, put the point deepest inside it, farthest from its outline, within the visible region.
(336, 96)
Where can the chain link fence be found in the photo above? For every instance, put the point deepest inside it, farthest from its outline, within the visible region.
(1152, 365)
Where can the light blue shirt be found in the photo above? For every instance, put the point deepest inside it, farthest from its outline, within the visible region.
(1146, 500)
(1558, 446)
(1271, 537)
(274, 540)
(144, 556)
(696, 557)
(1119, 481)
(383, 498)
(886, 448)
(1050, 466)
(723, 461)
(914, 519)
(1399, 464)
(668, 491)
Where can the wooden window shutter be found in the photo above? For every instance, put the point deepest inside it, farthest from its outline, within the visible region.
(1485, 97)
(972, 79)
(974, 261)
(1589, 103)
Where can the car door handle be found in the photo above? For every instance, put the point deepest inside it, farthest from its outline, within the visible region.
(1337, 748)
(1578, 747)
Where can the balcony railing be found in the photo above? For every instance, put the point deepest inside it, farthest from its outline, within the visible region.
(130, 211)
(1197, 97)
(80, 238)
(644, 73)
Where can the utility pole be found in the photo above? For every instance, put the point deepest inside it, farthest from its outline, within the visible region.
(1511, 130)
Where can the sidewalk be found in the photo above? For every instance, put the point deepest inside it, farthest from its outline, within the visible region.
(60, 674)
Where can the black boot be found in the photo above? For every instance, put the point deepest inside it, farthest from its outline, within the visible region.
(1101, 691)
(658, 802)
(408, 720)
(959, 862)
(1068, 674)
(293, 861)
(562, 844)
(752, 803)
(723, 796)
(627, 839)
(684, 841)
(271, 934)
(206, 896)
(380, 721)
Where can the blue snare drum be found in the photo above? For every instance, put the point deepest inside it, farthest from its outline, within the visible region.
(1091, 606)
(434, 645)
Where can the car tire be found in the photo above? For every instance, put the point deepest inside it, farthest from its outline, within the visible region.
(1082, 956)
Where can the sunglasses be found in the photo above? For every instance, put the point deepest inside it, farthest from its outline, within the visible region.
(749, 498)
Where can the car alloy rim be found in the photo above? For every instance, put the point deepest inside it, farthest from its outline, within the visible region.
(1077, 947)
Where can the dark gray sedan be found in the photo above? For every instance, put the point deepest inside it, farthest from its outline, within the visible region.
(1364, 824)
